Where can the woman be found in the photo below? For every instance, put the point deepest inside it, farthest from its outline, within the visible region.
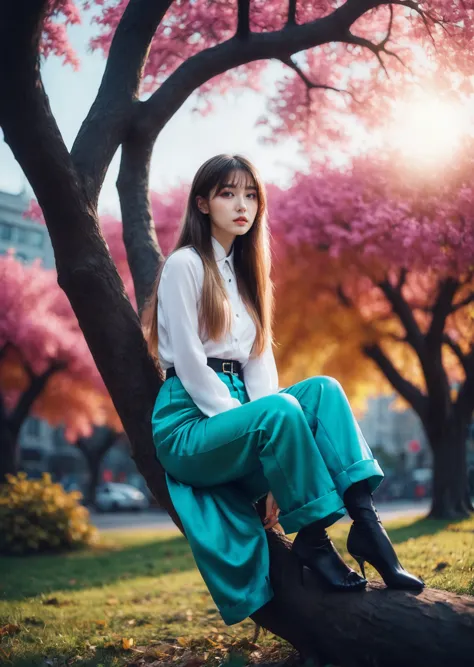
(225, 433)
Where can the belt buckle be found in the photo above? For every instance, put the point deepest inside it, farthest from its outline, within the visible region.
(228, 363)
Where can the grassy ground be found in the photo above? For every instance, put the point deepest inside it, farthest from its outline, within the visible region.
(137, 599)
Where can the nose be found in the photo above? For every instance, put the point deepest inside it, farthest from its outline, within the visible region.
(240, 204)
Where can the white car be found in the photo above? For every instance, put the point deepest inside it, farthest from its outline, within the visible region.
(113, 496)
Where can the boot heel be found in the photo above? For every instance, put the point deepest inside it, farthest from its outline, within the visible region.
(370, 539)
(360, 563)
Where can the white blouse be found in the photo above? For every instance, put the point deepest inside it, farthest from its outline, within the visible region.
(179, 343)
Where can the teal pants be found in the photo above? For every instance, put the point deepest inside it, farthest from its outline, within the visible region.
(302, 443)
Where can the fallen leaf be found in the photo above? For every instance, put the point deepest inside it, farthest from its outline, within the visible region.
(127, 643)
(9, 629)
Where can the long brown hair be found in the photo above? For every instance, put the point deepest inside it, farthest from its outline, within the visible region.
(251, 258)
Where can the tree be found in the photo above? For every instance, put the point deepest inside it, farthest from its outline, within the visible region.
(46, 369)
(94, 450)
(379, 266)
(67, 186)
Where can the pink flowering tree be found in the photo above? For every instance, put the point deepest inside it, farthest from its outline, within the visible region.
(379, 267)
(46, 369)
(172, 50)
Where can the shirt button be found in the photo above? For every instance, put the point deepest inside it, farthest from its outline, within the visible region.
(230, 280)
(237, 315)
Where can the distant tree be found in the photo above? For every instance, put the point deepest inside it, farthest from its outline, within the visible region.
(94, 449)
(46, 369)
(374, 268)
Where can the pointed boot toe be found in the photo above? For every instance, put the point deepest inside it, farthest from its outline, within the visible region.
(368, 542)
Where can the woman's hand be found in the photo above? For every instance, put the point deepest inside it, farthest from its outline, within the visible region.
(272, 512)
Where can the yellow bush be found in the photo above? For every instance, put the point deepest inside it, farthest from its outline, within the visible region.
(37, 515)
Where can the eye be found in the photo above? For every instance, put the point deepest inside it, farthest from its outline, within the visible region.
(252, 195)
(225, 193)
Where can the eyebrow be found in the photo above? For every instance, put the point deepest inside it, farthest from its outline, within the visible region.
(229, 185)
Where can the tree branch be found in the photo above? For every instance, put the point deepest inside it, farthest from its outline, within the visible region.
(376, 49)
(279, 44)
(310, 85)
(109, 117)
(343, 298)
(143, 251)
(405, 315)
(96, 453)
(441, 309)
(402, 279)
(291, 20)
(461, 304)
(428, 352)
(23, 407)
(243, 19)
(406, 389)
(455, 347)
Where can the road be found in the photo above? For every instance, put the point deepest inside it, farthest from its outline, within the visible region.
(155, 519)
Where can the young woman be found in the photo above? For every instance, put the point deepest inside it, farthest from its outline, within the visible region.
(226, 434)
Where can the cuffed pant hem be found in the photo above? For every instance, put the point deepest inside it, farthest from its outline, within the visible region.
(329, 507)
(368, 469)
(236, 613)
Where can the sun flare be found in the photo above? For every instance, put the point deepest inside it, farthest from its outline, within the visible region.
(428, 132)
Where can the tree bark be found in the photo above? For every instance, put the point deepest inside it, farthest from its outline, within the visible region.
(9, 451)
(379, 627)
(450, 478)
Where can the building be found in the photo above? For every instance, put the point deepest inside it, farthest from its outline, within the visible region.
(30, 241)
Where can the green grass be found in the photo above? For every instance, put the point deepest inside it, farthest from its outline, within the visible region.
(77, 609)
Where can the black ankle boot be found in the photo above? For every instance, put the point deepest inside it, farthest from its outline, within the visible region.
(315, 550)
(368, 540)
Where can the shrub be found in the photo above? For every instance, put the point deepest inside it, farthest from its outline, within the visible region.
(37, 516)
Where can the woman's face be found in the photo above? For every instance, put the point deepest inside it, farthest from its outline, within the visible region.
(232, 209)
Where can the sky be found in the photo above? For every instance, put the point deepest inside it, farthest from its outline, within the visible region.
(185, 143)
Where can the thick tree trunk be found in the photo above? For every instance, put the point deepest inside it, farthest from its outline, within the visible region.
(450, 480)
(9, 451)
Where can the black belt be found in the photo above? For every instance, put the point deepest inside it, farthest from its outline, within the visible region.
(219, 365)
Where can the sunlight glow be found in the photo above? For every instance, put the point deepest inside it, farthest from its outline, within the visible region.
(428, 131)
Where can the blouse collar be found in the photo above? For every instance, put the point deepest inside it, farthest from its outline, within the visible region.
(220, 255)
